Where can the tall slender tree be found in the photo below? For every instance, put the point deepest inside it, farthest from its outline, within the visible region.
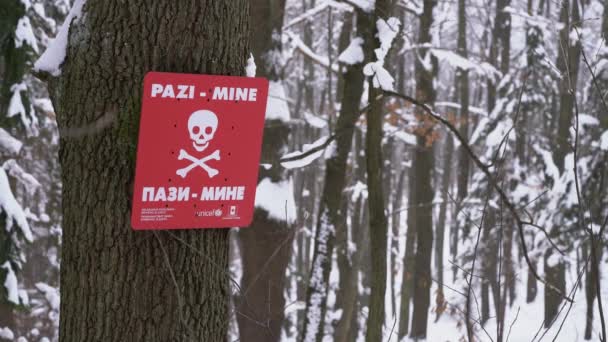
(378, 224)
(348, 261)
(568, 58)
(462, 80)
(422, 168)
(331, 218)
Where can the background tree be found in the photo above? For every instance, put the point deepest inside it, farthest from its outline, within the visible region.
(422, 167)
(265, 246)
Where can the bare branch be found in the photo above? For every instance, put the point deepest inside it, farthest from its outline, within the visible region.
(503, 196)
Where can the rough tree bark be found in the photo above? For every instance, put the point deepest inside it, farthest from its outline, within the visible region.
(422, 167)
(118, 284)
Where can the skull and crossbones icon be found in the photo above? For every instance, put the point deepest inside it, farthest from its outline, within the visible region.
(202, 126)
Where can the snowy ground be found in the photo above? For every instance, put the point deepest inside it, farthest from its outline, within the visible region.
(523, 322)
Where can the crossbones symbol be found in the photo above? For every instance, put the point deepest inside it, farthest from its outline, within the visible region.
(198, 162)
(202, 126)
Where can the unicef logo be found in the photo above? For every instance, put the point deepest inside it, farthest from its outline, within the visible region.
(218, 212)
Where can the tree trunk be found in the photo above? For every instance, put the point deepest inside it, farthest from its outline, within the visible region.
(266, 245)
(443, 209)
(422, 166)
(349, 282)
(555, 274)
(396, 227)
(407, 280)
(567, 63)
(265, 253)
(462, 85)
(378, 225)
(330, 218)
(590, 292)
(359, 228)
(309, 68)
(343, 238)
(118, 284)
(532, 287)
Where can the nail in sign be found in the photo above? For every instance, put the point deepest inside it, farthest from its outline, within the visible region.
(200, 138)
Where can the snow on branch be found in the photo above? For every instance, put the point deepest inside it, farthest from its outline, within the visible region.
(381, 77)
(387, 31)
(314, 120)
(276, 199)
(604, 141)
(454, 60)
(299, 45)
(11, 284)
(16, 171)
(400, 134)
(311, 13)
(8, 144)
(50, 294)
(13, 211)
(309, 153)
(366, 6)
(357, 190)
(533, 20)
(353, 54)
(411, 6)
(277, 108)
(7, 334)
(54, 55)
(25, 34)
(455, 105)
(457, 61)
(250, 68)
(15, 106)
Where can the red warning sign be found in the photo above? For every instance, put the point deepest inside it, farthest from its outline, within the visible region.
(200, 138)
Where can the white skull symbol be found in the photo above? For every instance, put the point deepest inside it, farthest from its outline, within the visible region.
(202, 125)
